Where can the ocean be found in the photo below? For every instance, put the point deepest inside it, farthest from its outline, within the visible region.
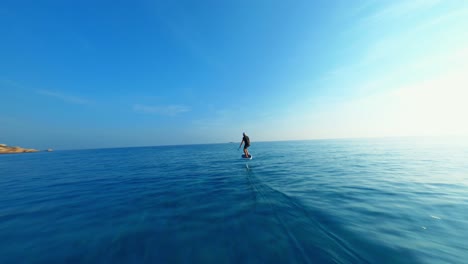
(320, 201)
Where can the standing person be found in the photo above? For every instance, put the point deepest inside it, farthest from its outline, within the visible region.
(246, 141)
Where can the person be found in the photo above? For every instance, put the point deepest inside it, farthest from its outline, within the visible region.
(246, 141)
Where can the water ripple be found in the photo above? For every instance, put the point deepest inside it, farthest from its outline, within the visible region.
(344, 201)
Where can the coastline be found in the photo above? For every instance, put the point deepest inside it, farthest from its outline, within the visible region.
(4, 149)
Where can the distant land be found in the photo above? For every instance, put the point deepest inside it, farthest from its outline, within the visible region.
(4, 149)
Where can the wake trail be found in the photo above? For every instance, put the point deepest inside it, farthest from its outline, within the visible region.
(262, 190)
(285, 228)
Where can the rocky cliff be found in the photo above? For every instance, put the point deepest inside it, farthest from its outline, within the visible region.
(4, 149)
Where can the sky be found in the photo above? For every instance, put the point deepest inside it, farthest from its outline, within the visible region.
(92, 74)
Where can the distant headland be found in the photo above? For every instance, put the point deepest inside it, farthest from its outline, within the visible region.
(4, 149)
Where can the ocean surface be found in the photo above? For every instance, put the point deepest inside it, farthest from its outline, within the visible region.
(322, 201)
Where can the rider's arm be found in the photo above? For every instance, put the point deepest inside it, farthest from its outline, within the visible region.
(241, 143)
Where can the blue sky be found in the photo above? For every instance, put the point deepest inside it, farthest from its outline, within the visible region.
(86, 74)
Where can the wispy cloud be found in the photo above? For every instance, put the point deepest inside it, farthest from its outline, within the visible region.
(167, 110)
(188, 37)
(431, 29)
(64, 97)
(10, 83)
(401, 8)
(431, 103)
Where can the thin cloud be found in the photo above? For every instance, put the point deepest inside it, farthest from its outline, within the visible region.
(9, 82)
(396, 47)
(401, 8)
(64, 97)
(181, 32)
(168, 110)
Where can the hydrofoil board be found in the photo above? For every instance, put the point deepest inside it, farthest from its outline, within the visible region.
(244, 157)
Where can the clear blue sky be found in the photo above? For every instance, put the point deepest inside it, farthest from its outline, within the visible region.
(86, 74)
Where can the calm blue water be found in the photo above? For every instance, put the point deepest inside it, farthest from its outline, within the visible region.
(330, 201)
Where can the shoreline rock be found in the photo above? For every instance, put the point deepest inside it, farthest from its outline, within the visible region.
(4, 149)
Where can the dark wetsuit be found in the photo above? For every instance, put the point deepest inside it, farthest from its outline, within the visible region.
(246, 142)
